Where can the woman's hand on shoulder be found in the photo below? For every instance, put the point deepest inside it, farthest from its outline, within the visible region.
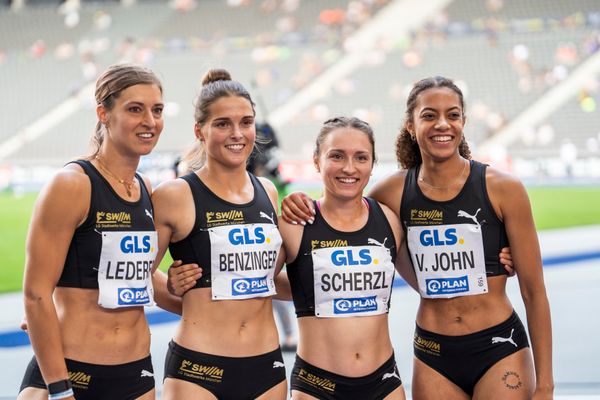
(298, 208)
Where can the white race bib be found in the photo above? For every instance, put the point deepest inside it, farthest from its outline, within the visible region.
(243, 259)
(352, 281)
(125, 271)
(448, 260)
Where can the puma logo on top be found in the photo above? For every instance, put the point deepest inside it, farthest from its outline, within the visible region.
(278, 364)
(270, 218)
(498, 339)
(373, 241)
(465, 214)
(149, 214)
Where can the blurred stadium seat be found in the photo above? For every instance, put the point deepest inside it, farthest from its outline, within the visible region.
(506, 55)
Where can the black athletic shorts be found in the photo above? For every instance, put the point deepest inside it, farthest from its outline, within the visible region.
(465, 359)
(92, 381)
(235, 378)
(325, 385)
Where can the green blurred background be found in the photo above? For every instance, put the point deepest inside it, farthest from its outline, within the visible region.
(553, 207)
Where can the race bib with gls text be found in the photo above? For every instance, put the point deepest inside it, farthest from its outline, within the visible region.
(243, 260)
(448, 260)
(125, 270)
(352, 281)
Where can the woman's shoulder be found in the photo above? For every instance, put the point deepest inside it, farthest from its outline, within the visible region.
(67, 194)
(389, 189)
(171, 188)
(71, 178)
(392, 219)
(268, 185)
(501, 181)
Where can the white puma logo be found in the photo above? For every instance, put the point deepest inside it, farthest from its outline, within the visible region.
(462, 213)
(498, 339)
(278, 364)
(149, 214)
(373, 241)
(264, 215)
(390, 375)
(146, 373)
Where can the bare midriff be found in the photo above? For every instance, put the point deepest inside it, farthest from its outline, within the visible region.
(99, 335)
(352, 347)
(466, 314)
(231, 328)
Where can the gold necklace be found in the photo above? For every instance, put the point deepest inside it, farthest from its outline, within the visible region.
(128, 185)
(447, 186)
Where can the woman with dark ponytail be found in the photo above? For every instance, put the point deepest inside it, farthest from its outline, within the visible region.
(457, 214)
(224, 219)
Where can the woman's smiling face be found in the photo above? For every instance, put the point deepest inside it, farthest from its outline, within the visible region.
(345, 161)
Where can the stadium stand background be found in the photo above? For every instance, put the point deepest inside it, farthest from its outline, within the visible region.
(507, 55)
(529, 70)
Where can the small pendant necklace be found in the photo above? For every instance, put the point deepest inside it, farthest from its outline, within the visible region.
(128, 185)
(447, 186)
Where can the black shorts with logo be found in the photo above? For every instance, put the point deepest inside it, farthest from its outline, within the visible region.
(465, 359)
(92, 381)
(235, 378)
(325, 385)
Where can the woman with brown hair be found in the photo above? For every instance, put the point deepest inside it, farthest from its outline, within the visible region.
(457, 214)
(90, 255)
(224, 219)
(341, 270)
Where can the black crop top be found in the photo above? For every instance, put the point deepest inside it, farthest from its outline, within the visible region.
(212, 212)
(471, 206)
(321, 235)
(108, 212)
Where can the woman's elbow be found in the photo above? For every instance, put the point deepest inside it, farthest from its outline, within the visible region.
(34, 298)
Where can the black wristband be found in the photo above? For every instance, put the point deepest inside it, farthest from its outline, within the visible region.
(59, 387)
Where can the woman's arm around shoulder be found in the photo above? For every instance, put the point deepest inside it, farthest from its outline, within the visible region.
(510, 200)
(61, 207)
(297, 208)
(389, 190)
